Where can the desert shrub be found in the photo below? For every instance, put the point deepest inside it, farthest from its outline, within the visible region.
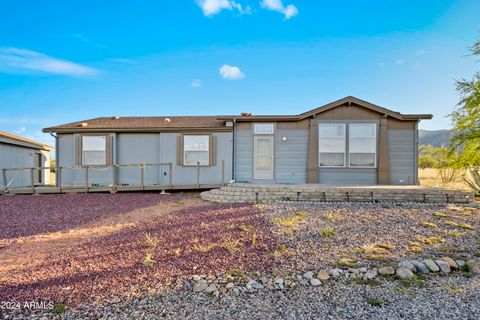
(426, 161)
(474, 180)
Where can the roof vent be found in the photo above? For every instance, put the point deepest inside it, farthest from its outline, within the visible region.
(167, 120)
(115, 117)
(83, 124)
(246, 114)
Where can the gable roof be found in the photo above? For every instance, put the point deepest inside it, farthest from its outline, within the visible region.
(141, 123)
(344, 101)
(9, 138)
(175, 123)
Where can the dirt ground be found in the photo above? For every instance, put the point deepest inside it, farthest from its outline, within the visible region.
(430, 178)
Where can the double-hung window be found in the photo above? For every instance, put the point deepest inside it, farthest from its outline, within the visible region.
(196, 150)
(331, 144)
(94, 150)
(362, 144)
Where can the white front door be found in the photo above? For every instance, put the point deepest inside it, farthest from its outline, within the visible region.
(263, 157)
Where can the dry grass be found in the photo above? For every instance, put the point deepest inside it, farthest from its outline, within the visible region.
(430, 178)
(327, 232)
(291, 222)
(429, 224)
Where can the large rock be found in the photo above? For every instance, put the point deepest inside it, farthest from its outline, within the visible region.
(461, 264)
(420, 267)
(404, 273)
(323, 275)
(308, 275)
(371, 274)
(407, 265)
(386, 271)
(200, 286)
(335, 273)
(473, 266)
(315, 282)
(252, 284)
(431, 265)
(444, 267)
(451, 263)
(211, 289)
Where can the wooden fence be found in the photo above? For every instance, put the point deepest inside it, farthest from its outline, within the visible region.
(87, 186)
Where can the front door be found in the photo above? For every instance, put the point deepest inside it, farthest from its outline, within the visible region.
(263, 157)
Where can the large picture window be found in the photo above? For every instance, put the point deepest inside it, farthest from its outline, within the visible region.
(331, 144)
(195, 150)
(94, 150)
(362, 144)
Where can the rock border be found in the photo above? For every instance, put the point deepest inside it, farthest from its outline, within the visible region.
(237, 282)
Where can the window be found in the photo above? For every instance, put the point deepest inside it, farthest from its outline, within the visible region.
(331, 144)
(263, 128)
(362, 144)
(94, 150)
(196, 149)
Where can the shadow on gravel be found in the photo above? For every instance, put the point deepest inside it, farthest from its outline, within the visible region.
(26, 215)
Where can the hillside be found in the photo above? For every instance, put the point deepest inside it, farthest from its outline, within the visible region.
(436, 138)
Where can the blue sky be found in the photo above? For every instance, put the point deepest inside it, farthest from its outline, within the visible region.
(63, 61)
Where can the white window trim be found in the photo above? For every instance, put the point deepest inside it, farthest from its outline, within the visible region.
(376, 146)
(83, 150)
(263, 123)
(344, 143)
(208, 150)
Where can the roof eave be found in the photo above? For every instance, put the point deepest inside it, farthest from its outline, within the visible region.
(138, 129)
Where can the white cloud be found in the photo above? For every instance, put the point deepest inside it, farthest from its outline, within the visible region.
(12, 59)
(231, 72)
(212, 7)
(400, 61)
(197, 83)
(21, 130)
(288, 11)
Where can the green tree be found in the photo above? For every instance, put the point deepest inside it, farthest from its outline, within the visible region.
(466, 121)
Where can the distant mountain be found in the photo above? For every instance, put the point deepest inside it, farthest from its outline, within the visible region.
(435, 138)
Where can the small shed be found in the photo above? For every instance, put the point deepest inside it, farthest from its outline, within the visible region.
(19, 152)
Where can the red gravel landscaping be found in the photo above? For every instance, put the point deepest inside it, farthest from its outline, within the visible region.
(188, 237)
(26, 215)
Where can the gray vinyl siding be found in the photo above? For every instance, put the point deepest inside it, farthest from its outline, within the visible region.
(12, 156)
(291, 156)
(244, 156)
(138, 148)
(66, 157)
(347, 176)
(72, 175)
(402, 155)
(148, 148)
(187, 175)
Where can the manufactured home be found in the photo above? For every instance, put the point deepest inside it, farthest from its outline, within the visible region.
(346, 142)
(30, 156)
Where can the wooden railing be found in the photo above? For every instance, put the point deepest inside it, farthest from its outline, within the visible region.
(114, 176)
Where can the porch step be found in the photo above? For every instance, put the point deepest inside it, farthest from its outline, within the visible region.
(253, 193)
